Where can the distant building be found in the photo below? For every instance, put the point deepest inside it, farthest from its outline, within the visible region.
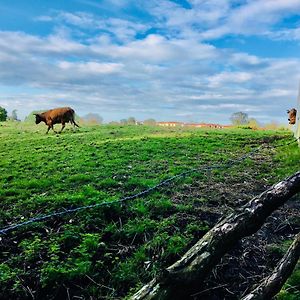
(170, 124)
(203, 125)
(139, 122)
(197, 125)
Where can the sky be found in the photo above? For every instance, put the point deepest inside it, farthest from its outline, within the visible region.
(180, 60)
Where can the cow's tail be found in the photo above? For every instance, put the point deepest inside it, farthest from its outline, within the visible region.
(74, 123)
(73, 119)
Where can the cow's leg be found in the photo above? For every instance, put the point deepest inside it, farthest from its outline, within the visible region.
(51, 125)
(63, 126)
(49, 122)
(53, 128)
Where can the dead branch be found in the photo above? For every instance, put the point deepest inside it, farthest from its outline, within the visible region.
(271, 285)
(180, 279)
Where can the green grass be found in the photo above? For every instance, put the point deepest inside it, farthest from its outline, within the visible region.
(112, 250)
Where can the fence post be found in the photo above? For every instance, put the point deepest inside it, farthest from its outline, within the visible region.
(297, 128)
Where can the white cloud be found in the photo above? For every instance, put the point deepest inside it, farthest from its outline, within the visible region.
(246, 60)
(91, 68)
(229, 107)
(19, 43)
(156, 48)
(257, 16)
(216, 18)
(229, 78)
(201, 12)
(121, 29)
(292, 34)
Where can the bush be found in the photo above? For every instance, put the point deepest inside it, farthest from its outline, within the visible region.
(3, 114)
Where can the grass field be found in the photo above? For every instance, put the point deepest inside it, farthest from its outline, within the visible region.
(110, 251)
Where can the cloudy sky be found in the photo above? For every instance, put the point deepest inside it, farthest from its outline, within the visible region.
(185, 60)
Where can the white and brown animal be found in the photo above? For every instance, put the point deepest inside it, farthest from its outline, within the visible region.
(292, 116)
(54, 116)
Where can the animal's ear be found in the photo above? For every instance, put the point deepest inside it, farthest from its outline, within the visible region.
(288, 111)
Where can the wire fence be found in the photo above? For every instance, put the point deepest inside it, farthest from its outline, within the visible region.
(147, 191)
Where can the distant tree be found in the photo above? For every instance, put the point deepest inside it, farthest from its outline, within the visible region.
(31, 117)
(272, 125)
(131, 121)
(92, 118)
(3, 114)
(253, 123)
(239, 118)
(14, 116)
(113, 123)
(123, 122)
(150, 122)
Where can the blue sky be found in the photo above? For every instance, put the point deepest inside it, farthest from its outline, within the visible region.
(185, 60)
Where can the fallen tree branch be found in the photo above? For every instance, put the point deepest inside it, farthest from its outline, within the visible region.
(271, 285)
(187, 274)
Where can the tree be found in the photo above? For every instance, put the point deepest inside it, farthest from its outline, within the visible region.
(253, 123)
(239, 118)
(131, 121)
(113, 123)
(272, 125)
(93, 118)
(3, 114)
(14, 116)
(123, 122)
(150, 122)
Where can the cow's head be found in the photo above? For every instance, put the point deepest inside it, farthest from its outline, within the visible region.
(292, 116)
(38, 118)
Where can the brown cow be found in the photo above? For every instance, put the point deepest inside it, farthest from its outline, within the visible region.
(292, 116)
(60, 115)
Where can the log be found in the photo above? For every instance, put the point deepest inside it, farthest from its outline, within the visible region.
(187, 274)
(271, 285)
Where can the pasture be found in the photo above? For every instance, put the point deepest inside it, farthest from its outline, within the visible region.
(108, 252)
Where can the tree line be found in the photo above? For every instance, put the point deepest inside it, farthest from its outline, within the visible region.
(90, 118)
(237, 119)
